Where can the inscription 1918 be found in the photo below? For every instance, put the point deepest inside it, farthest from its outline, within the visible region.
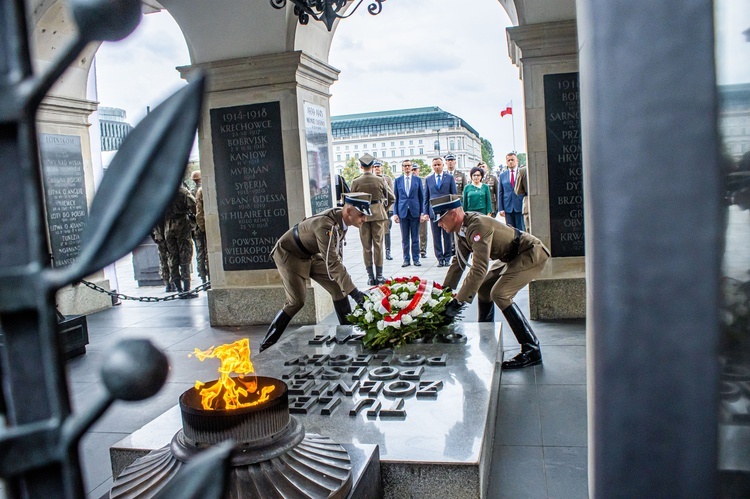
(250, 183)
(564, 166)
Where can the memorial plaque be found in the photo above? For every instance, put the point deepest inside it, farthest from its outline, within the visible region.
(65, 194)
(250, 183)
(564, 166)
(318, 163)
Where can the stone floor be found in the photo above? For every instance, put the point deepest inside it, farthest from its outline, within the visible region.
(540, 447)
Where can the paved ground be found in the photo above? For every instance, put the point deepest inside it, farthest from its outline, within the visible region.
(540, 447)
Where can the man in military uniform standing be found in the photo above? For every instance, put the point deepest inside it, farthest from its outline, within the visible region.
(372, 232)
(491, 180)
(459, 177)
(159, 237)
(519, 258)
(178, 229)
(199, 232)
(377, 169)
(422, 220)
(313, 249)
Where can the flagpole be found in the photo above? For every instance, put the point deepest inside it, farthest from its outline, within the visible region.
(513, 124)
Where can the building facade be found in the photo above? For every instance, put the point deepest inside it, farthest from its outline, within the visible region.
(393, 136)
(114, 127)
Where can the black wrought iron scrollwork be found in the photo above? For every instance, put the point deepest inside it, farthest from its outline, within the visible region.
(326, 11)
(39, 443)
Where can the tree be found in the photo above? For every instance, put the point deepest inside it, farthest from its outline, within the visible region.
(521, 159)
(424, 168)
(351, 170)
(488, 155)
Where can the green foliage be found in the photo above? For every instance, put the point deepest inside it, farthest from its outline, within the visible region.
(521, 159)
(351, 170)
(424, 320)
(424, 168)
(488, 155)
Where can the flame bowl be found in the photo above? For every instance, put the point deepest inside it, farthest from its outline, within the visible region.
(247, 425)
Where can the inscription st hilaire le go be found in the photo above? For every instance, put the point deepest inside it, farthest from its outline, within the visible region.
(250, 183)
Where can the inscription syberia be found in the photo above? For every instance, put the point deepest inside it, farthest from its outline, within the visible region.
(250, 183)
(65, 194)
(564, 164)
(321, 383)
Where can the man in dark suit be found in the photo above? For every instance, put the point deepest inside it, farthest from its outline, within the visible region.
(436, 185)
(408, 211)
(509, 203)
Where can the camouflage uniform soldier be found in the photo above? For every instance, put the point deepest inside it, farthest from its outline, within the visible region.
(373, 230)
(377, 169)
(157, 234)
(519, 258)
(491, 181)
(179, 241)
(313, 249)
(199, 234)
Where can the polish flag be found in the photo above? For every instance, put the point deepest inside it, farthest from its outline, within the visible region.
(508, 109)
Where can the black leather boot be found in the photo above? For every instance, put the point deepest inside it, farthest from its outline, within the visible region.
(379, 275)
(486, 311)
(185, 289)
(168, 287)
(342, 308)
(177, 286)
(531, 354)
(371, 281)
(275, 330)
(388, 246)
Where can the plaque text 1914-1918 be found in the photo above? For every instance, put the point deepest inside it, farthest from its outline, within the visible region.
(250, 183)
(65, 194)
(564, 166)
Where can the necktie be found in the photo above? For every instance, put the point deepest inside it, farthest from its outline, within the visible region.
(513, 178)
(408, 184)
(439, 177)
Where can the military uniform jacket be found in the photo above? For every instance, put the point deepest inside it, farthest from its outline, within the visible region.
(491, 181)
(200, 217)
(461, 181)
(389, 183)
(382, 196)
(488, 239)
(322, 237)
(522, 188)
(181, 206)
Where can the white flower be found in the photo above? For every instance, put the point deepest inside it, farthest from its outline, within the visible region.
(368, 305)
(404, 296)
(404, 303)
(416, 312)
(358, 312)
(406, 319)
(432, 302)
(411, 287)
(381, 325)
(369, 317)
(436, 291)
(393, 297)
(395, 324)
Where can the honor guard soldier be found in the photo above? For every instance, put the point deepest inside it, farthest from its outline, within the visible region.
(373, 230)
(313, 249)
(377, 169)
(460, 177)
(519, 258)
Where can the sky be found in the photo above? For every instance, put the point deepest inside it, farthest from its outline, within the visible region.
(455, 57)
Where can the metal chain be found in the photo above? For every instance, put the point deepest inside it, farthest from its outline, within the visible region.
(148, 299)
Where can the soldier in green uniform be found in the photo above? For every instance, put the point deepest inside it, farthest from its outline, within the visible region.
(373, 230)
(157, 234)
(199, 232)
(491, 181)
(313, 249)
(377, 169)
(178, 234)
(519, 258)
(459, 177)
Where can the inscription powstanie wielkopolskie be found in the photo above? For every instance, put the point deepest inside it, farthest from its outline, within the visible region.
(564, 165)
(377, 384)
(250, 183)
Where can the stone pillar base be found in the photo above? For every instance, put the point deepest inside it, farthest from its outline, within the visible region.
(80, 300)
(558, 298)
(259, 305)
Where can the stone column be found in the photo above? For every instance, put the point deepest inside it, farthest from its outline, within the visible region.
(67, 118)
(273, 92)
(539, 50)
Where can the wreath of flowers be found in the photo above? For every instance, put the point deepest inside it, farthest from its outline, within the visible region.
(400, 311)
